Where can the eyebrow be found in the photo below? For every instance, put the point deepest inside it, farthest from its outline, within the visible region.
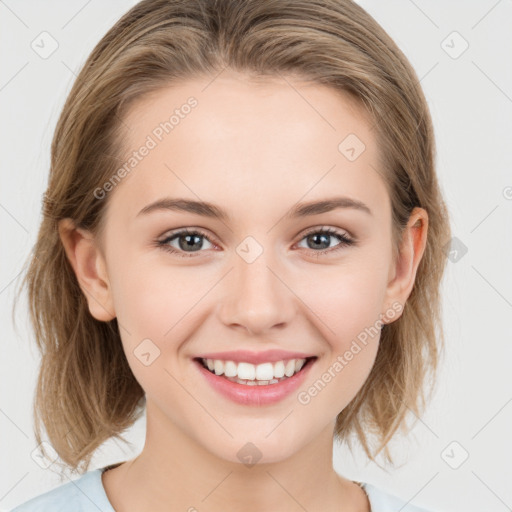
(206, 209)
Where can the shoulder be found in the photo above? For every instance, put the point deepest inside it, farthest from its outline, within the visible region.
(84, 494)
(381, 501)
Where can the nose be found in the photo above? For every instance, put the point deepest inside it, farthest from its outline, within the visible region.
(256, 297)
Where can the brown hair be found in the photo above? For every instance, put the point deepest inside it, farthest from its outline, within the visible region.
(86, 392)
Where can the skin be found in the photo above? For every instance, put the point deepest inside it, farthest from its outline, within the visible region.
(256, 149)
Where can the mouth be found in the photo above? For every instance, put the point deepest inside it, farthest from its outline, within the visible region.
(262, 388)
(265, 374)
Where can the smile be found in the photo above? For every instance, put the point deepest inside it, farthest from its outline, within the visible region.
(251, 374)
(255, 385)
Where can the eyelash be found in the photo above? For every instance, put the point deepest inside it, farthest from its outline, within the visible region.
(345, 241)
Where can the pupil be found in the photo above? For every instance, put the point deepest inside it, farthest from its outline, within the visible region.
(317, 236)
(190, 245)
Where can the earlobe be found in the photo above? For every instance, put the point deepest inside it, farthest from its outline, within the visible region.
(411, 251)
(89, 266)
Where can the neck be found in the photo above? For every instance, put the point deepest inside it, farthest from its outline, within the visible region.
(174, 469)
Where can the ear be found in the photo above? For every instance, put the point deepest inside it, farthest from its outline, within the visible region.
(403, 271)
(89, 266)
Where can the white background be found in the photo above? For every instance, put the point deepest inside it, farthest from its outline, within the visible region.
(471, 103)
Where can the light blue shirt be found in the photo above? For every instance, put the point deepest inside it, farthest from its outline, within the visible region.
(87, 494)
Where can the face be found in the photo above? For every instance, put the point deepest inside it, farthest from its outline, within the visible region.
(268, 274)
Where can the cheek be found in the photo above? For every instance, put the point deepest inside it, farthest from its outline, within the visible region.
(342, 373)
(148, 303)
(347, 300)
(158, 301)
(346, 305)
(152, 305)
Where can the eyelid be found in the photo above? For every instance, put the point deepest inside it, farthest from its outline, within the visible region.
(192, 229)
(331, 230)
(346, 239)
(188, 229)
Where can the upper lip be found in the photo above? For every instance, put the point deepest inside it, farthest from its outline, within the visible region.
(247, 356)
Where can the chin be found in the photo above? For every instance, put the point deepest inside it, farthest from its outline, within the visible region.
(254, 450)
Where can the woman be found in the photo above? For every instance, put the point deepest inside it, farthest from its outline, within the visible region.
(205, 150)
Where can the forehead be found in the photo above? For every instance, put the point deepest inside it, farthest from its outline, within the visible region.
(274, 140)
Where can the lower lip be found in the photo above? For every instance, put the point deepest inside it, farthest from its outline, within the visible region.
(255, 395)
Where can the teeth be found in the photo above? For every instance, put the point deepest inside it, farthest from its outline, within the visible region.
(264, 371)
(218, 367)
(261, 374)
(230, 369)
(246, 371)
(289, 369)
(279, 369)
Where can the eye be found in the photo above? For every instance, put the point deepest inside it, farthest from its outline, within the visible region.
(319, 239)
(187, 239)
(190, 241)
